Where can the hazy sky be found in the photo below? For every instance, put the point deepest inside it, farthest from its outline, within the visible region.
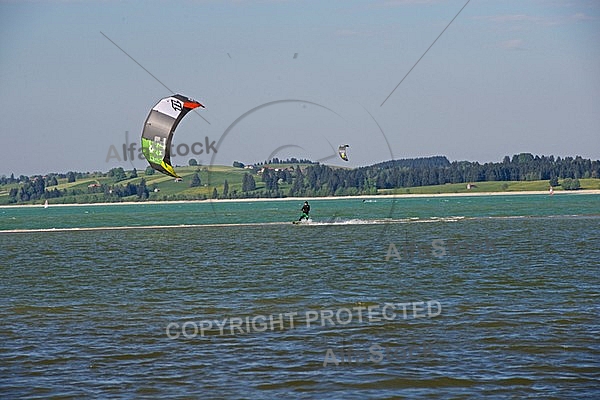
(506, 77)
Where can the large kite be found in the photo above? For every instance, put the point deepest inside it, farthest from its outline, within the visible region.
(159, 128)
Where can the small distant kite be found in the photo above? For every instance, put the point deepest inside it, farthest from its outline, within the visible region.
(159, 128)
(342, 152)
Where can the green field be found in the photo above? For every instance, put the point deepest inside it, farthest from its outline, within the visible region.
(494, 186)
(165, 188)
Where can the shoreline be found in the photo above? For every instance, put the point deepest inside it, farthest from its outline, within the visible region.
(360, 197)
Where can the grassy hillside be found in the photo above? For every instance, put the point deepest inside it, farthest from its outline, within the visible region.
(167, 187)
(494, 186)
(213, 177)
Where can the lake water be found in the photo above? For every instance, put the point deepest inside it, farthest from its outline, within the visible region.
(441, 297)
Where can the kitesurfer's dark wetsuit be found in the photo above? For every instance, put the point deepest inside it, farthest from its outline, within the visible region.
(305, 211)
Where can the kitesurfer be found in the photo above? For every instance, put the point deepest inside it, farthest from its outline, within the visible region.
(305, 211)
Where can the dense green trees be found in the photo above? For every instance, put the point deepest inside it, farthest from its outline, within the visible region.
(225, 189)
(522, 167)
(324, 180)
(35, 189)
(195, 180)
(248, 183)
(571, 184)
(71, 176)
(117, 173)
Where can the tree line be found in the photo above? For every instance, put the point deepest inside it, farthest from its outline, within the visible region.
(521, 167)
(314, 179)
(322, 180)
(40, 187)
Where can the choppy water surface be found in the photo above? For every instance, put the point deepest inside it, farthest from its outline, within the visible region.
(204, 311)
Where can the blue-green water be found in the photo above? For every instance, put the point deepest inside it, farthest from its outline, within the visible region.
(124, 313)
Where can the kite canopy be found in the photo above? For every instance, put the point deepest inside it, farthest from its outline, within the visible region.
(159, 128)
(342, 152)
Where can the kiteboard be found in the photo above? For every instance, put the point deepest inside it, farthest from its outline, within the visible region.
(302, 222)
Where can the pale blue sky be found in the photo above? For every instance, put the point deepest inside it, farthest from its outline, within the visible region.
(506, 77)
